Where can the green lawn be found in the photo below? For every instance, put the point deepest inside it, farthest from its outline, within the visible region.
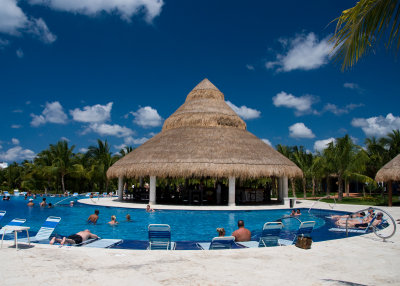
(375, 200)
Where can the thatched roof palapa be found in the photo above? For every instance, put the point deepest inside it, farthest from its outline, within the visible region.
(389, 172)
(204, 137)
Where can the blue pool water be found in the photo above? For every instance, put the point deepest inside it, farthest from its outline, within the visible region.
(186, 226)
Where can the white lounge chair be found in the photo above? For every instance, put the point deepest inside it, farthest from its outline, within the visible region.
(14, 222)
(220, 242)
(103, 243)
(305, 228)
(46, 230)
(160, 237)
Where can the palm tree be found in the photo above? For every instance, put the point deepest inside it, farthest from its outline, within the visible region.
(288, 153)
(378, 155)
(101, 156)
(347, 161)
(358, 29)
(304, 161)
(393, 142)
(126, 150)
(62, 159)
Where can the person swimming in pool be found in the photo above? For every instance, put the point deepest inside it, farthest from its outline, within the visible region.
(113, 220)
(76, 238)
(43, 203)
(30, 203)
(128, 217)
(93, 217)
(149, 209)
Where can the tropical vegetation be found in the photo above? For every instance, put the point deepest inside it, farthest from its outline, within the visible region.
(342, 166)
(359, 28)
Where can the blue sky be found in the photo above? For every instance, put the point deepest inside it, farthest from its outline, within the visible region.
(81, 70)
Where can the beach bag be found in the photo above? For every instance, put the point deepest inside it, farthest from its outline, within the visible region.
(304, 242)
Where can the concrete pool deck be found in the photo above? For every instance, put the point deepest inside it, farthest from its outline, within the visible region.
(361, 260)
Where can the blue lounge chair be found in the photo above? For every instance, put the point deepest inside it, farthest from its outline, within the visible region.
(46, 230)
(305, 229)
(160, 237)
(14, 222)
(221, 242)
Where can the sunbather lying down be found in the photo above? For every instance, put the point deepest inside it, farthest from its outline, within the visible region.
(356, 223)
(356, 215)
(76, 238)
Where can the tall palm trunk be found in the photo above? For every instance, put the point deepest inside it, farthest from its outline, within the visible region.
(62, 182)
(293, 187)
(347, 188)
(328, 186)
(304, 188)
(340, 192)
(313, 187)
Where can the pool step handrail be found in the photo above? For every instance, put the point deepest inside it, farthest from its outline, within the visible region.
(71, 198)
(325, 197)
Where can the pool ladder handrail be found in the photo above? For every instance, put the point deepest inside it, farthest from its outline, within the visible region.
(65, 199)
(328, 196)
(373, 227)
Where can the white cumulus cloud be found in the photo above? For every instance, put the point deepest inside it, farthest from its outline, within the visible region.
(20, 53)
(124, 8)
(267, 141)
(320, 145)
(301, 104)
(39, 29)
(15, 141)
(53, 113)
(12, 18)
(104, 129)
(341, 110)
(14, 21)
(378, 126)
(304, 52)
(17, 153)
(147, 117)
(92, 114)
(244, 111)
(299, 130)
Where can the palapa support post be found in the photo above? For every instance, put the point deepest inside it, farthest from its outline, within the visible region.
(232, 191)
(152, 196)
(390, 193)
(120, 188)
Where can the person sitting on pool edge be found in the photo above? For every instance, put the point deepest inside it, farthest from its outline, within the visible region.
(221, 231)
(76, 238)
(113, 220)
(93, 217)
(242, 233)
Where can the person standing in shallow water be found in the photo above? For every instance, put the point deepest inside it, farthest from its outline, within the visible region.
(94, 217)
(242, 233)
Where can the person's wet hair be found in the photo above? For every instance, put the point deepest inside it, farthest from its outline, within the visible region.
(96, 212)
(240, 223)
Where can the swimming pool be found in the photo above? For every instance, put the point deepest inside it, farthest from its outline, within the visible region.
(187, 226)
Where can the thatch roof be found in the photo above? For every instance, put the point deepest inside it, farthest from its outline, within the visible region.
(389, 172)
(204, 137)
